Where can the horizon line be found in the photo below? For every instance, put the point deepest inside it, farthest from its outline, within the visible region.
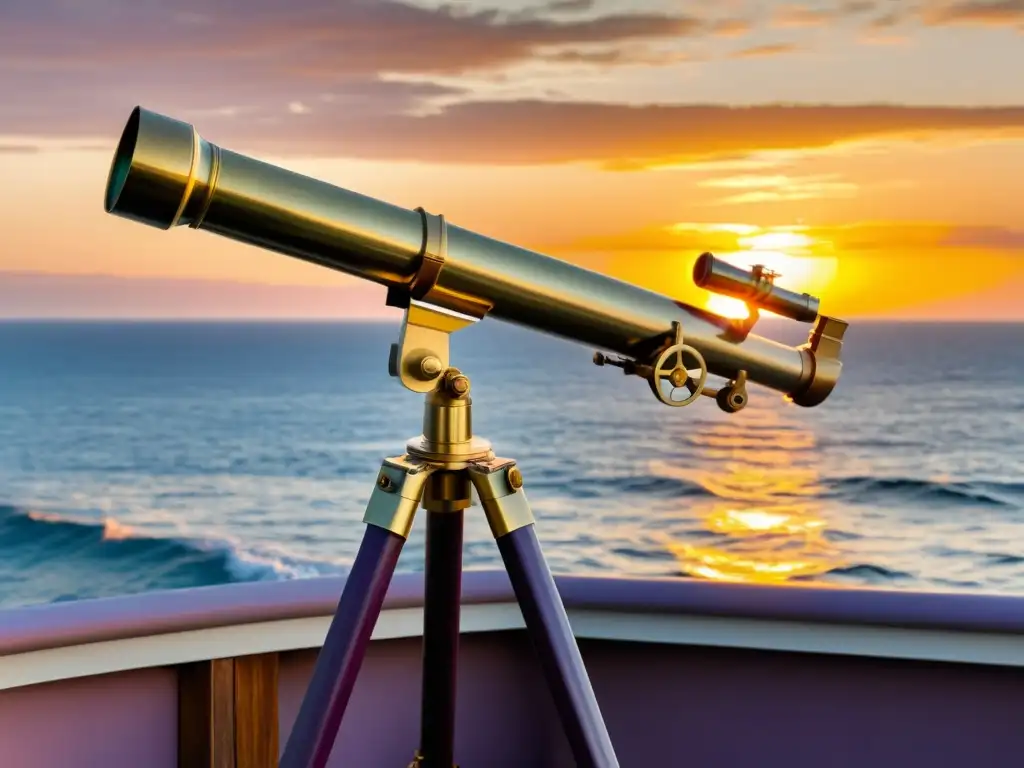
(54, 319)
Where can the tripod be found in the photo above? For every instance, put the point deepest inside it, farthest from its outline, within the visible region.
(438, 471)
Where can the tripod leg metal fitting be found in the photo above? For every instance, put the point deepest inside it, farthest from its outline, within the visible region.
(499, 484)
(401, 483)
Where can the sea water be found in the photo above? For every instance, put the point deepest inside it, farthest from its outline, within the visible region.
(142, 456)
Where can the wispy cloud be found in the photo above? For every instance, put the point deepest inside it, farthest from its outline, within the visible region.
(975, 12)
(543, 132)
(799, 16)
(780, 188)
(374, 121)
(764, 51)
(73, 63)
(569, 6)
(343, 37)
(892, 237)
(793, 16)
(929, 13)
(731, 27)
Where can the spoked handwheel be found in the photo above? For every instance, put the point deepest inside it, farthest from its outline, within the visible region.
(671, 366)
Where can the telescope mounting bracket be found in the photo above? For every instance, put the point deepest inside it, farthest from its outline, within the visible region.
(422, 353)
(669, 364)
(421, 356)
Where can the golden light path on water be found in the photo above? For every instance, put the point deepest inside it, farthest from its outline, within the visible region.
(765, 521)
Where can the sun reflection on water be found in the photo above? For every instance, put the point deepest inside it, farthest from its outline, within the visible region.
(765, 522)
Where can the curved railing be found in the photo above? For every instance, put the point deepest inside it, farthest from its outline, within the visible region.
(33, 629)
(201, 676)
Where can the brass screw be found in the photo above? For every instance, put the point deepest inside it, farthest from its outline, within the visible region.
(515, 478)
(458, 385)
(385, 483)
(431, 366)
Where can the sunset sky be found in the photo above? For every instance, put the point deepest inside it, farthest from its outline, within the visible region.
(872, 152)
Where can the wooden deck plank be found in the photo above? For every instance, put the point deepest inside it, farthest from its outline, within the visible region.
(227, 713)
(256, 738)
(206, 714)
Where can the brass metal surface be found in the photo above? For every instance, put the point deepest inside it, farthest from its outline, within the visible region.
(731, 398)
(448, 423)
(442, 466)
(435, 250)
(447, 491)
(826, 344)
(421, 355)
(755, 287)
(164, 173)
(447, 416)
(499, 485)
(397, 494)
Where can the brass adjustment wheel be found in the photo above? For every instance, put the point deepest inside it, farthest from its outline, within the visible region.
(671, 366)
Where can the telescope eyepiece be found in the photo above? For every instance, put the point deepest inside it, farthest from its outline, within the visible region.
(756, 287)
(161, 165)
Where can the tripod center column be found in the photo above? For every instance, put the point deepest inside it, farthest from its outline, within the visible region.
(447, 415)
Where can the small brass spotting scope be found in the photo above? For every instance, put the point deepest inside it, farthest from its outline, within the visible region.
(164, 174)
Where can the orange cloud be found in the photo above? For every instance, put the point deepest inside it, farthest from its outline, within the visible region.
(800, 16)
(889, 237)
(759, 188)
(731, 28)
(975, 12)
(797, 16)
(761, 51)
(618, 136)
(930, 13)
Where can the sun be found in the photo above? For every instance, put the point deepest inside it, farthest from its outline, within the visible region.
(726, 306)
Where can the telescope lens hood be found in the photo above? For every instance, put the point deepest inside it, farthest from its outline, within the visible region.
(154, 169)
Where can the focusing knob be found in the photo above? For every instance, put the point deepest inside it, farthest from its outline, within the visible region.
(731, 401)
(733, 397)
(671, 366)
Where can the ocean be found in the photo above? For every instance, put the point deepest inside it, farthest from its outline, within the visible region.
(144, 456)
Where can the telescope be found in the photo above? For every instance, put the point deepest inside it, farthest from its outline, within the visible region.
(164, 174)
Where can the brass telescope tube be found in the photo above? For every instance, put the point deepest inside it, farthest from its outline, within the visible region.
(164, 174)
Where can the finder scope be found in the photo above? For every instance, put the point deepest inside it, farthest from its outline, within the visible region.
(756, 287)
